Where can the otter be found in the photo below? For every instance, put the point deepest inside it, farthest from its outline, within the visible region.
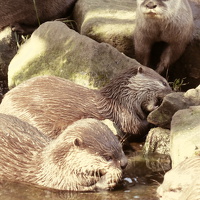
(86, 156)
(182, 181)
(25, 16)
(52, 103)
(168, 21)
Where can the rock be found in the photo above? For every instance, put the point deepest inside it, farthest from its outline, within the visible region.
(112, 126)
(107, 21)
(185, 134)
(182, 182)
(193, 96)
(157, 141)
(113, 22)
(54, 49)
(193, 191)
(7, 51)
(171, 104)
(156, 149)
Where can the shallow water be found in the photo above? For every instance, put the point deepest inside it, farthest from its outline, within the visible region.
(140, 181)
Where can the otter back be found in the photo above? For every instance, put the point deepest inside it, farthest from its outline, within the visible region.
(86, 156)
(23, 16)
(170, 22)
(52, 103)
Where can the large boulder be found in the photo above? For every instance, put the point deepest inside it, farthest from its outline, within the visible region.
(107, 21)
(185, 134)
(54, 49)
(113, 22)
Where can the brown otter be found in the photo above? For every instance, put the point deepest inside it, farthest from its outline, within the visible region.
(52, 103)
(87, 156)
(168, 21)
(181, 181)
(23, 16)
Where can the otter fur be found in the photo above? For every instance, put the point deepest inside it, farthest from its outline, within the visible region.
(87, 156)
(23, 16)
(168, 21)
(182, 182)
(51, 103)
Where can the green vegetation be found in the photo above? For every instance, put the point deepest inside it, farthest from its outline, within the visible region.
(36, 11)
(177, 84)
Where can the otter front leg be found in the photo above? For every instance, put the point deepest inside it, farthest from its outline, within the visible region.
(142, 50)
(169, 56)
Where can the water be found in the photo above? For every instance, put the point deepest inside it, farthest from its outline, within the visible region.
(140, 181)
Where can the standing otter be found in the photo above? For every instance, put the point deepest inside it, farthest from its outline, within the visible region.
(87, 156)
(168, 21)
(52, 103)
(182, 182)
(23, 16)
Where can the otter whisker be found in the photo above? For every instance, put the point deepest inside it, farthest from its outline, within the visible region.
(124, 138)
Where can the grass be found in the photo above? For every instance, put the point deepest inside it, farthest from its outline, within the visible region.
(177, 84)
(36, 11)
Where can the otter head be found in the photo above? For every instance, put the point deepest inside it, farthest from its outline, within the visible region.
(156, 9)
(128, 98)
(149, 88)
(87, 156)
(179, 179)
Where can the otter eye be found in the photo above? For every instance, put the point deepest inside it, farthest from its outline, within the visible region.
(108, 158)
(165, 84)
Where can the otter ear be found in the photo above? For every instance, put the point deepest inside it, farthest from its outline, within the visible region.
(140, 70)
(78, 142)
(119, 138)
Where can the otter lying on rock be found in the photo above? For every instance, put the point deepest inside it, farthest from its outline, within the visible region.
(51, 103)
(168, 21)
(182, 182)
(23, 16)
(87, 156)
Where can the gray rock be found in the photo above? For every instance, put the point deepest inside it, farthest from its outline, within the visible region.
(157, 141)
(156, 149)
(113, 22)
(171, 104)
(185, 134)
(107, 21)
(193, 191)
(54, 49)
(182, 182)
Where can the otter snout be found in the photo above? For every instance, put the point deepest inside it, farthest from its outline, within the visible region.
(151, 5)
(123, 162)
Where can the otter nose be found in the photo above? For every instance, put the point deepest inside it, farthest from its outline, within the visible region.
(123, 163)
(151, 5)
